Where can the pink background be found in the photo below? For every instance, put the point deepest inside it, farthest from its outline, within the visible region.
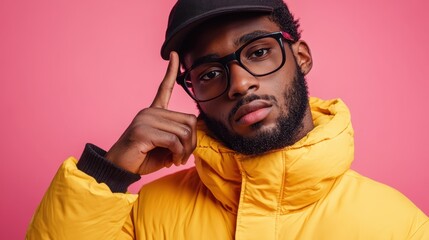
(73, 72)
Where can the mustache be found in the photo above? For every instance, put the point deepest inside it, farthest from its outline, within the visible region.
(250, 98)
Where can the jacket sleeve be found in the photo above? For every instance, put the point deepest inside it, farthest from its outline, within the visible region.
(422, 232)
(76, 206)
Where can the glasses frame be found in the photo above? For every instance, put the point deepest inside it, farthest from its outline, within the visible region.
(235, 56)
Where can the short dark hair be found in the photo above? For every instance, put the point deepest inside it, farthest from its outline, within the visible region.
(286, 21)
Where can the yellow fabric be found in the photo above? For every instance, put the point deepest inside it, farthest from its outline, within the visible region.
(77, 207)
(305, 191)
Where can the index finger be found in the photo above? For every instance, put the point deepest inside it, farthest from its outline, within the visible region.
(166, 87)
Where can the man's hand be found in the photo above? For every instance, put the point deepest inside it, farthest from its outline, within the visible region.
(157, 137)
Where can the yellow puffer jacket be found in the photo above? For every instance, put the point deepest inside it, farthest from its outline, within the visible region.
(305, 191)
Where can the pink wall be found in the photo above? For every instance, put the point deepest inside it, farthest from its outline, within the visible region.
(73, 72)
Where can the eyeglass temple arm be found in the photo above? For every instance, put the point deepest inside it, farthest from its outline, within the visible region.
(287, 36)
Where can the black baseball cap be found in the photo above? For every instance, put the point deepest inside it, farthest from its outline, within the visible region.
(187, 14)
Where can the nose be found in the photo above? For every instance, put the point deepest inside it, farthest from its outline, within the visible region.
(241, 82)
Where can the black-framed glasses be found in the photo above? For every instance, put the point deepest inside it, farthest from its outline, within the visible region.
(206, 80)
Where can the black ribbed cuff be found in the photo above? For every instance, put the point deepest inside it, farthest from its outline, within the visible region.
(93, 163)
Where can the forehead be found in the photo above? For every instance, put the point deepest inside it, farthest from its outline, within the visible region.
(221, 36)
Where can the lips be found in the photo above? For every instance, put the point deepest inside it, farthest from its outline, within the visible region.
(252, 112)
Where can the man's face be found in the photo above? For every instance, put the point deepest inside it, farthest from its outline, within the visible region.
(256, 114)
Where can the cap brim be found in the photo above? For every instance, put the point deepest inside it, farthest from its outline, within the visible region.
(176, 38)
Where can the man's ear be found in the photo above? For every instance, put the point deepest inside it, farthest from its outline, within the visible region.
(302, 54)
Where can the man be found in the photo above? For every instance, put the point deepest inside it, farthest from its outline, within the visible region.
(270, 162)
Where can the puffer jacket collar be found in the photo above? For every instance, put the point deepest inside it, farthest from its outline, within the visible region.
(283, 180)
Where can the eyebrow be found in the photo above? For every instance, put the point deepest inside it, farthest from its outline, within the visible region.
(206, 58)
(237, 43)
(247, 37)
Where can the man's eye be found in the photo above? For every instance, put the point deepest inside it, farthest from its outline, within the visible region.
(210, 75)
(259, 53)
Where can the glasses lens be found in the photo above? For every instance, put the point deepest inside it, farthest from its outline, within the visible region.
(206, 81)
(262, 56)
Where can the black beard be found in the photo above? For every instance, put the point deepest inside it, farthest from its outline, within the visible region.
(287, 127)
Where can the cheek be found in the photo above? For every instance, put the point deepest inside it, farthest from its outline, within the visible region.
(215, 110)
(275, 85)
(283, 83)
(282, 89)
